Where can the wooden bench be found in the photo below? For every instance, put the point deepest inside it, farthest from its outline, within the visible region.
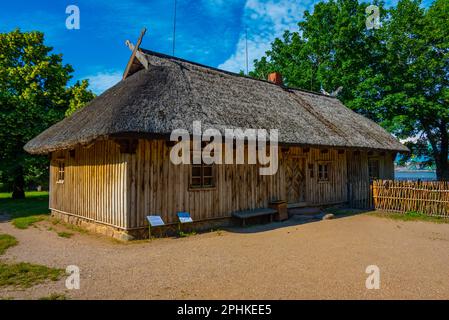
(254, 213)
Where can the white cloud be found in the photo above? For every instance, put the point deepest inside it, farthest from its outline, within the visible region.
(102, 81)
(265, 20)
(413, 139)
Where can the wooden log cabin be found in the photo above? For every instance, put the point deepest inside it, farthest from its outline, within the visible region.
(110, 165)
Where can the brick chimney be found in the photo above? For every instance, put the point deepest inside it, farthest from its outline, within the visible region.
(276, 78)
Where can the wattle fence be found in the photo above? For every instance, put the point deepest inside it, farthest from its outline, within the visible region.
(426, 197)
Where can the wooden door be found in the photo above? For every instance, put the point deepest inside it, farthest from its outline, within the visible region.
(295, 179)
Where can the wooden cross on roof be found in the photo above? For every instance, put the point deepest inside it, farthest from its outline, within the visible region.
(135, 54)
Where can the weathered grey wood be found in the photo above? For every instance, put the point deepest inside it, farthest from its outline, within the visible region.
(139, 55)
(253, 213)
(105, 185)
(131, 59)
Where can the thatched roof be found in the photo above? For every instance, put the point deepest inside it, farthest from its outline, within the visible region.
(172, 93)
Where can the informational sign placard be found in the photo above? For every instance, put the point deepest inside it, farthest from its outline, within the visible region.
(155, 221)
(184, 217)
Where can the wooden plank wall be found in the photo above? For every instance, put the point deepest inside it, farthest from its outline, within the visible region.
(94, 184)
(119, 189)
(332, 191)
(387, 166)
(359, 187)
(163, 188)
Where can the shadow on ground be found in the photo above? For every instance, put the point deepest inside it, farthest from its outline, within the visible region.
(35, 203)
(4, 218)
(294, 220)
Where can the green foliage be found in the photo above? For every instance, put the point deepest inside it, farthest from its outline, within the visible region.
(55, 296)
(415, 214)
(33, 96)
(6, 241)
(397, 75)
(25, 275)
(332, 48)
(65, 234)
(80, 96)
(183, 234)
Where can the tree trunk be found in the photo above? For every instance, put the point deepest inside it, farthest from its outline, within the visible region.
(441, 161)
(18, 186)
(442, 170)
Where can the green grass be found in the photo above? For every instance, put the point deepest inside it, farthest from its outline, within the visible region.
(72, 227)
(25, 275)
(75, 228)
(6, 241)
(54, 296)
(25, 212)
(28, 194)
(409, 216)
(183, 234)
(35, 203)
(25, 222)
(65, 234)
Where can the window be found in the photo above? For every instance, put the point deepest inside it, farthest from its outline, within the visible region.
(202, 176)
(311, 170)
(373, 169)
(61, 172)
(323, 172)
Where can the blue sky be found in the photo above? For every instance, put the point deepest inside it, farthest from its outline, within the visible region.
(210, 32)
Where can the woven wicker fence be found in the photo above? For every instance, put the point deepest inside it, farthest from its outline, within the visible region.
(429, 197)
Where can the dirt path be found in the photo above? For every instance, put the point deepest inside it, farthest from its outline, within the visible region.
(325, 259)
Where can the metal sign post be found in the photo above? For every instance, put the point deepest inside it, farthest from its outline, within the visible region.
(154, 221)
(183, 217)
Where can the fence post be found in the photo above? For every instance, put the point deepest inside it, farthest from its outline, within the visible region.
(374, 193)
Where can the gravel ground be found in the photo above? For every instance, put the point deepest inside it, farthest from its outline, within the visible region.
(289, 260)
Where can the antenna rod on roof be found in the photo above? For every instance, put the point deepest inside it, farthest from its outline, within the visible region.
(246, 41)
(174, 30)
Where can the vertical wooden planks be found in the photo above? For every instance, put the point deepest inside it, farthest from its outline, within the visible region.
(121, 189)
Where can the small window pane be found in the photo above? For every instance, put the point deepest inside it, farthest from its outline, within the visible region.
(196, 182)
(373, 169)
(61, 169)
(207, 171)
(202, 176)
(323, 172)
(196, 171)
(311, 171)
(207, 182)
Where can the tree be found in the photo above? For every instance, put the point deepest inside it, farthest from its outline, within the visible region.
(416, 87)
(79, 96)
(33, 96)
(332, 48)
(396, 75)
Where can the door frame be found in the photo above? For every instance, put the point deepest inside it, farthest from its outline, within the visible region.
(302, 164)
